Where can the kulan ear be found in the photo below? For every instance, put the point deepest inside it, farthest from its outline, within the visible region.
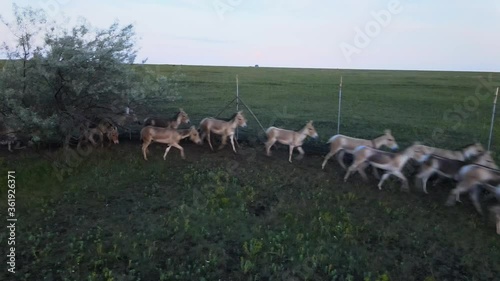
(180, 109)
(387, 132)
(416, 143)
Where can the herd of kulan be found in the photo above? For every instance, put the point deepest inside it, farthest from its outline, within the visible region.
(472, 167)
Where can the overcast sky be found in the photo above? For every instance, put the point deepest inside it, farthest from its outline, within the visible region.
(363, 34)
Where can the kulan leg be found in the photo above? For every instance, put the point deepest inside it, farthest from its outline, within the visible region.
(424, 175)
(361, 170)
(358, 160)
(340, 158)
(176, 145)
(375, 172)
(350, 170)
(208, 139)
(403, 179)
(268, 145)
(166, 151)
(18, 145)
(223, 142)
(231, 138)
(101, 139)
(327, 157)
(290, 153)
(203, 134)
(497, 216)
(383, 179)
(495, 210)
(90, 137)
(236, 142)
(455, 193)
(301, 153)
(110, 140)
(474, 196)
(145, 145)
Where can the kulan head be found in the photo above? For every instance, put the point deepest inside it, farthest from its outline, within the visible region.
(418, 152)
(113, 134)
(486, 160)
(240, 119)
(183, 116)
(194, 135)
(473, 150)
(310, 130)
(389, 140)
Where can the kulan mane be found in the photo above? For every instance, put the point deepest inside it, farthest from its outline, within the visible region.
(174, 117)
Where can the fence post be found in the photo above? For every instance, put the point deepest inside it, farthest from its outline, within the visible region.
(340, 102)
(492, 119)
(237, 103)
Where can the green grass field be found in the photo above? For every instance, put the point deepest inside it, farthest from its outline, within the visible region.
(110, 215)
(411, 103)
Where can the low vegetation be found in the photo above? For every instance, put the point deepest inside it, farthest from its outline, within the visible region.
(237, 217)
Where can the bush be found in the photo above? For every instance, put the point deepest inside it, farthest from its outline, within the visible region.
(57, 79)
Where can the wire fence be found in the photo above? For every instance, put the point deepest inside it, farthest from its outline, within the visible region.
(442, 110)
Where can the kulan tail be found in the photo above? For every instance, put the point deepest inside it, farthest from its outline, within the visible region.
(332, 139)
(269, 130)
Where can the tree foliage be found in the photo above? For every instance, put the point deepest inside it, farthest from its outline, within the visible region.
(56, 79)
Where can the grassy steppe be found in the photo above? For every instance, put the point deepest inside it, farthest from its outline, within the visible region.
(414, 104)
(220, 216)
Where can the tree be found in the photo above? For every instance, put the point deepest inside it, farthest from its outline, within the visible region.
(57, 79)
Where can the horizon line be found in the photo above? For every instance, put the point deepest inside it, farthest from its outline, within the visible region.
(310, 67)
(319, 68)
